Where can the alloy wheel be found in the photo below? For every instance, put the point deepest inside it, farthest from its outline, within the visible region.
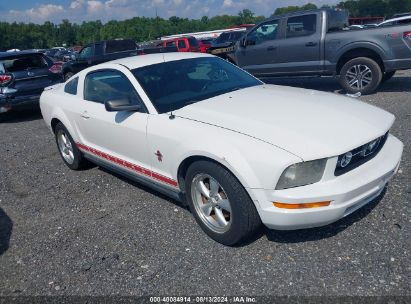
(358, 76)
(211, 203)
(65, 147)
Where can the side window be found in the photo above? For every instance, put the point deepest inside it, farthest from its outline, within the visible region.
(181, 44)
(71, 86)
(86, 53)
(109, 85)
(114, 46)
(301, 26)
(265, 32)
(405, 21)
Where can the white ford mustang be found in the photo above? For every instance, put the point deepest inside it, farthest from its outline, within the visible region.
(238, 151)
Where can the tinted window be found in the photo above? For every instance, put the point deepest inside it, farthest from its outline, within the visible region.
(114, 46)
(171, 43)
(181, 44)
(87, 52)
(71, 86)
(301, 26)
(223, 37)
(98, 49)
(51, 52)
(265, 32)
(22, 63)
(405, 21)
(192, 41)
(236, 35)
(175, 84)
(109, 85)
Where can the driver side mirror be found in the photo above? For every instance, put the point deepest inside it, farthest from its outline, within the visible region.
(122, 104)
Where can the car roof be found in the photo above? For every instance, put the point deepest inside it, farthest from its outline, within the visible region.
(316, 10)
(4, 55)
(396, 19)
(149, 59)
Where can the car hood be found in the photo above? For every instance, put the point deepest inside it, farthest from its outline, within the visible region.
(306, 123)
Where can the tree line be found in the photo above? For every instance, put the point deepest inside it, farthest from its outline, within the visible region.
(39, 36)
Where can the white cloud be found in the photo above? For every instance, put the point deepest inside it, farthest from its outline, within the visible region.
(37, 14)
(105, 10)
(94, 6)
(77, 4)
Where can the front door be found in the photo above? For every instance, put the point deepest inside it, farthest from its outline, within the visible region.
(261, 49)
(116, 137)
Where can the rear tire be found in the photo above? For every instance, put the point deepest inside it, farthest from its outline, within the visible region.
(387, 76)
(68, 150)
(361, 75)
(226, 213)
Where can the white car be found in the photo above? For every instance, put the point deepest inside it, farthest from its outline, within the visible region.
(238, 151)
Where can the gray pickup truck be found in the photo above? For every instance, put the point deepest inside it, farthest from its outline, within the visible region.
(318, 42)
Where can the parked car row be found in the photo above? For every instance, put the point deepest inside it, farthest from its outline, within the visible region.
(298, 44)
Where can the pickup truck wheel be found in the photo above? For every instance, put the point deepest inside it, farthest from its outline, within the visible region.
(68, 75)
(360, 75)
(220, 204)
(387, 76)
(69, 152)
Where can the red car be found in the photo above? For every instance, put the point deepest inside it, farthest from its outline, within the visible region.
(183, 44)
(205, 44)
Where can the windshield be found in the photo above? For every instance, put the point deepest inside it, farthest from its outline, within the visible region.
(175, 84)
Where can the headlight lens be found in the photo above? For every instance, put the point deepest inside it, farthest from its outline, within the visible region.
(301, 174)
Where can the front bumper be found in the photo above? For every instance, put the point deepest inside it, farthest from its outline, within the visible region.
(347, 192)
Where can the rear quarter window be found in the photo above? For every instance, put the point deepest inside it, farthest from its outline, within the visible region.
(192, 41)
(115, 46)
(71, 86)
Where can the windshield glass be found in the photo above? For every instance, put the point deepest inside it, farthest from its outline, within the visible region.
(175, 84)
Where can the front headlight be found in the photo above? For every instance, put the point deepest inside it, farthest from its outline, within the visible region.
(301, 174)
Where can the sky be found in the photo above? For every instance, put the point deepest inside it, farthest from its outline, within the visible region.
(39, 11)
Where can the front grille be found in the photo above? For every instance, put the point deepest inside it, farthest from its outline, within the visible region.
(360, 155)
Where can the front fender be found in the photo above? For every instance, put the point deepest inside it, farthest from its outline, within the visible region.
(255, 163)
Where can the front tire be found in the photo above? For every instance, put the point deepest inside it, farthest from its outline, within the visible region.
(360, 75)
(220, 204)
(68, 150)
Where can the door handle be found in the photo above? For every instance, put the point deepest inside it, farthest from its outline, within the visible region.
(271, 48)
(311, 44)
(85, 115)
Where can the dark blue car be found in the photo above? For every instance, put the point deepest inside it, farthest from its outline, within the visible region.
(23, 77)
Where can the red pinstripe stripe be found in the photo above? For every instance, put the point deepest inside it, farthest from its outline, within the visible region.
(130, 166)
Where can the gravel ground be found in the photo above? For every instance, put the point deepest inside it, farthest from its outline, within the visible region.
(95, 233)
